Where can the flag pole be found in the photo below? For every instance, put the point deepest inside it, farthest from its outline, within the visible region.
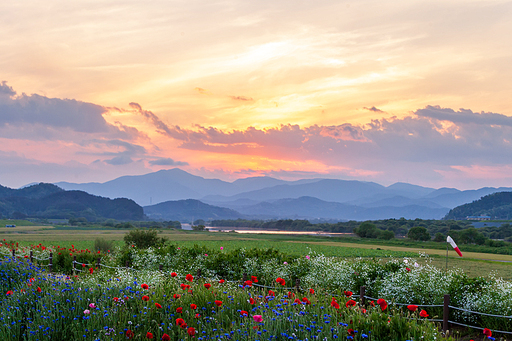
(446, 256)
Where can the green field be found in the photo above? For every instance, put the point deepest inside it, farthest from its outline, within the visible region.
(473, 263)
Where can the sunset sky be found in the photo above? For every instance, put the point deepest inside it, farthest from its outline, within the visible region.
(383, 91)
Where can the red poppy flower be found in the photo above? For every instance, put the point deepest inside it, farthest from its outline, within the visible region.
(348, 293)
(91, 270)
(372, 303)
(297, 301)
(248, 283)
(251, 300)
(221, 281)
(198, 316)
(487, 332)
(116, 299)
(9, 292)
(383, 304)
(193, 306)
(335, 305)
(176, 296)
(311, 291)
(407, 269)
(145, 286)
(271, 293)
(174, 274)
(166, 337)
(191, 331)
(350, 331)
(129, 334)
(189, 277)
(291, 294)
(350, 303)
(149, 335)
(145, 298)
(38, 289)
(158, 305)
(254, 279)
(180, 321)
(207, 285)
(423, 313)
(244, 313)
(412, 307)
(218, 303)
(305, 300)
(179, 310)
(280, 281)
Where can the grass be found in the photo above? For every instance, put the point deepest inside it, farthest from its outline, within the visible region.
(473, 263)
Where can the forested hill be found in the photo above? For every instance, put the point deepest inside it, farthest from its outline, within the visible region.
(49, 201)
(496, 205)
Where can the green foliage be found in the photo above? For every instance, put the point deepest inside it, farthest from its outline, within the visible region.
(78, 221)
(143, 238)
(104, 245)
(125, 225)
(198, 227)
(367, 230)
(439, 237)
(387, 235)
(496, 205)
(419, 233)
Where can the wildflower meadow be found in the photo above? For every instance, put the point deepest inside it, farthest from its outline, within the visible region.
(257, 294)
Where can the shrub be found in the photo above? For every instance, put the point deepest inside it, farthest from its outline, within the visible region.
(143, 238)
(104, 245)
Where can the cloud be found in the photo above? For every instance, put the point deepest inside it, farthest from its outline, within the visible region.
(167, 162)
(433, 136)
(37, 117)
(6, 90)
(241, 98)
(464, 116)
(171, 131)
(374, 109)
(122, 159)
(201, 91)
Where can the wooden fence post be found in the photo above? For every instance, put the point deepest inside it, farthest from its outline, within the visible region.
(446, 312)
(50, 265)
(297, 284)
(244, 278)
(31, 256)
(362, 294)
(13, 253)
(98, 263)
(74, 264)
(160, 267)
(198, 273)
(127, 264)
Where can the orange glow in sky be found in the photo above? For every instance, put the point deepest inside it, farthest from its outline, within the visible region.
(368, 90)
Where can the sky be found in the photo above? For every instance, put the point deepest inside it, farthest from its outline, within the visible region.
(384, 91)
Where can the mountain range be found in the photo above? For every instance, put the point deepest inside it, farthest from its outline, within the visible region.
(269, 198)
(49, 201)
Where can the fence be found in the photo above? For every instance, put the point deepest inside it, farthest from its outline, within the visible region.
(362, 291)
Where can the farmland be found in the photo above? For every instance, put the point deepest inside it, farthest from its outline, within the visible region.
(473, 263)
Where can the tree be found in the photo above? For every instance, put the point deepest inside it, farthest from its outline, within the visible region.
(198, 227)
(387, 235)
(418, 233)
(367, 230)
(439, 237)
(144, 238)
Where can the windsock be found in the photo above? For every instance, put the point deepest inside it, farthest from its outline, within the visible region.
(452, 243)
